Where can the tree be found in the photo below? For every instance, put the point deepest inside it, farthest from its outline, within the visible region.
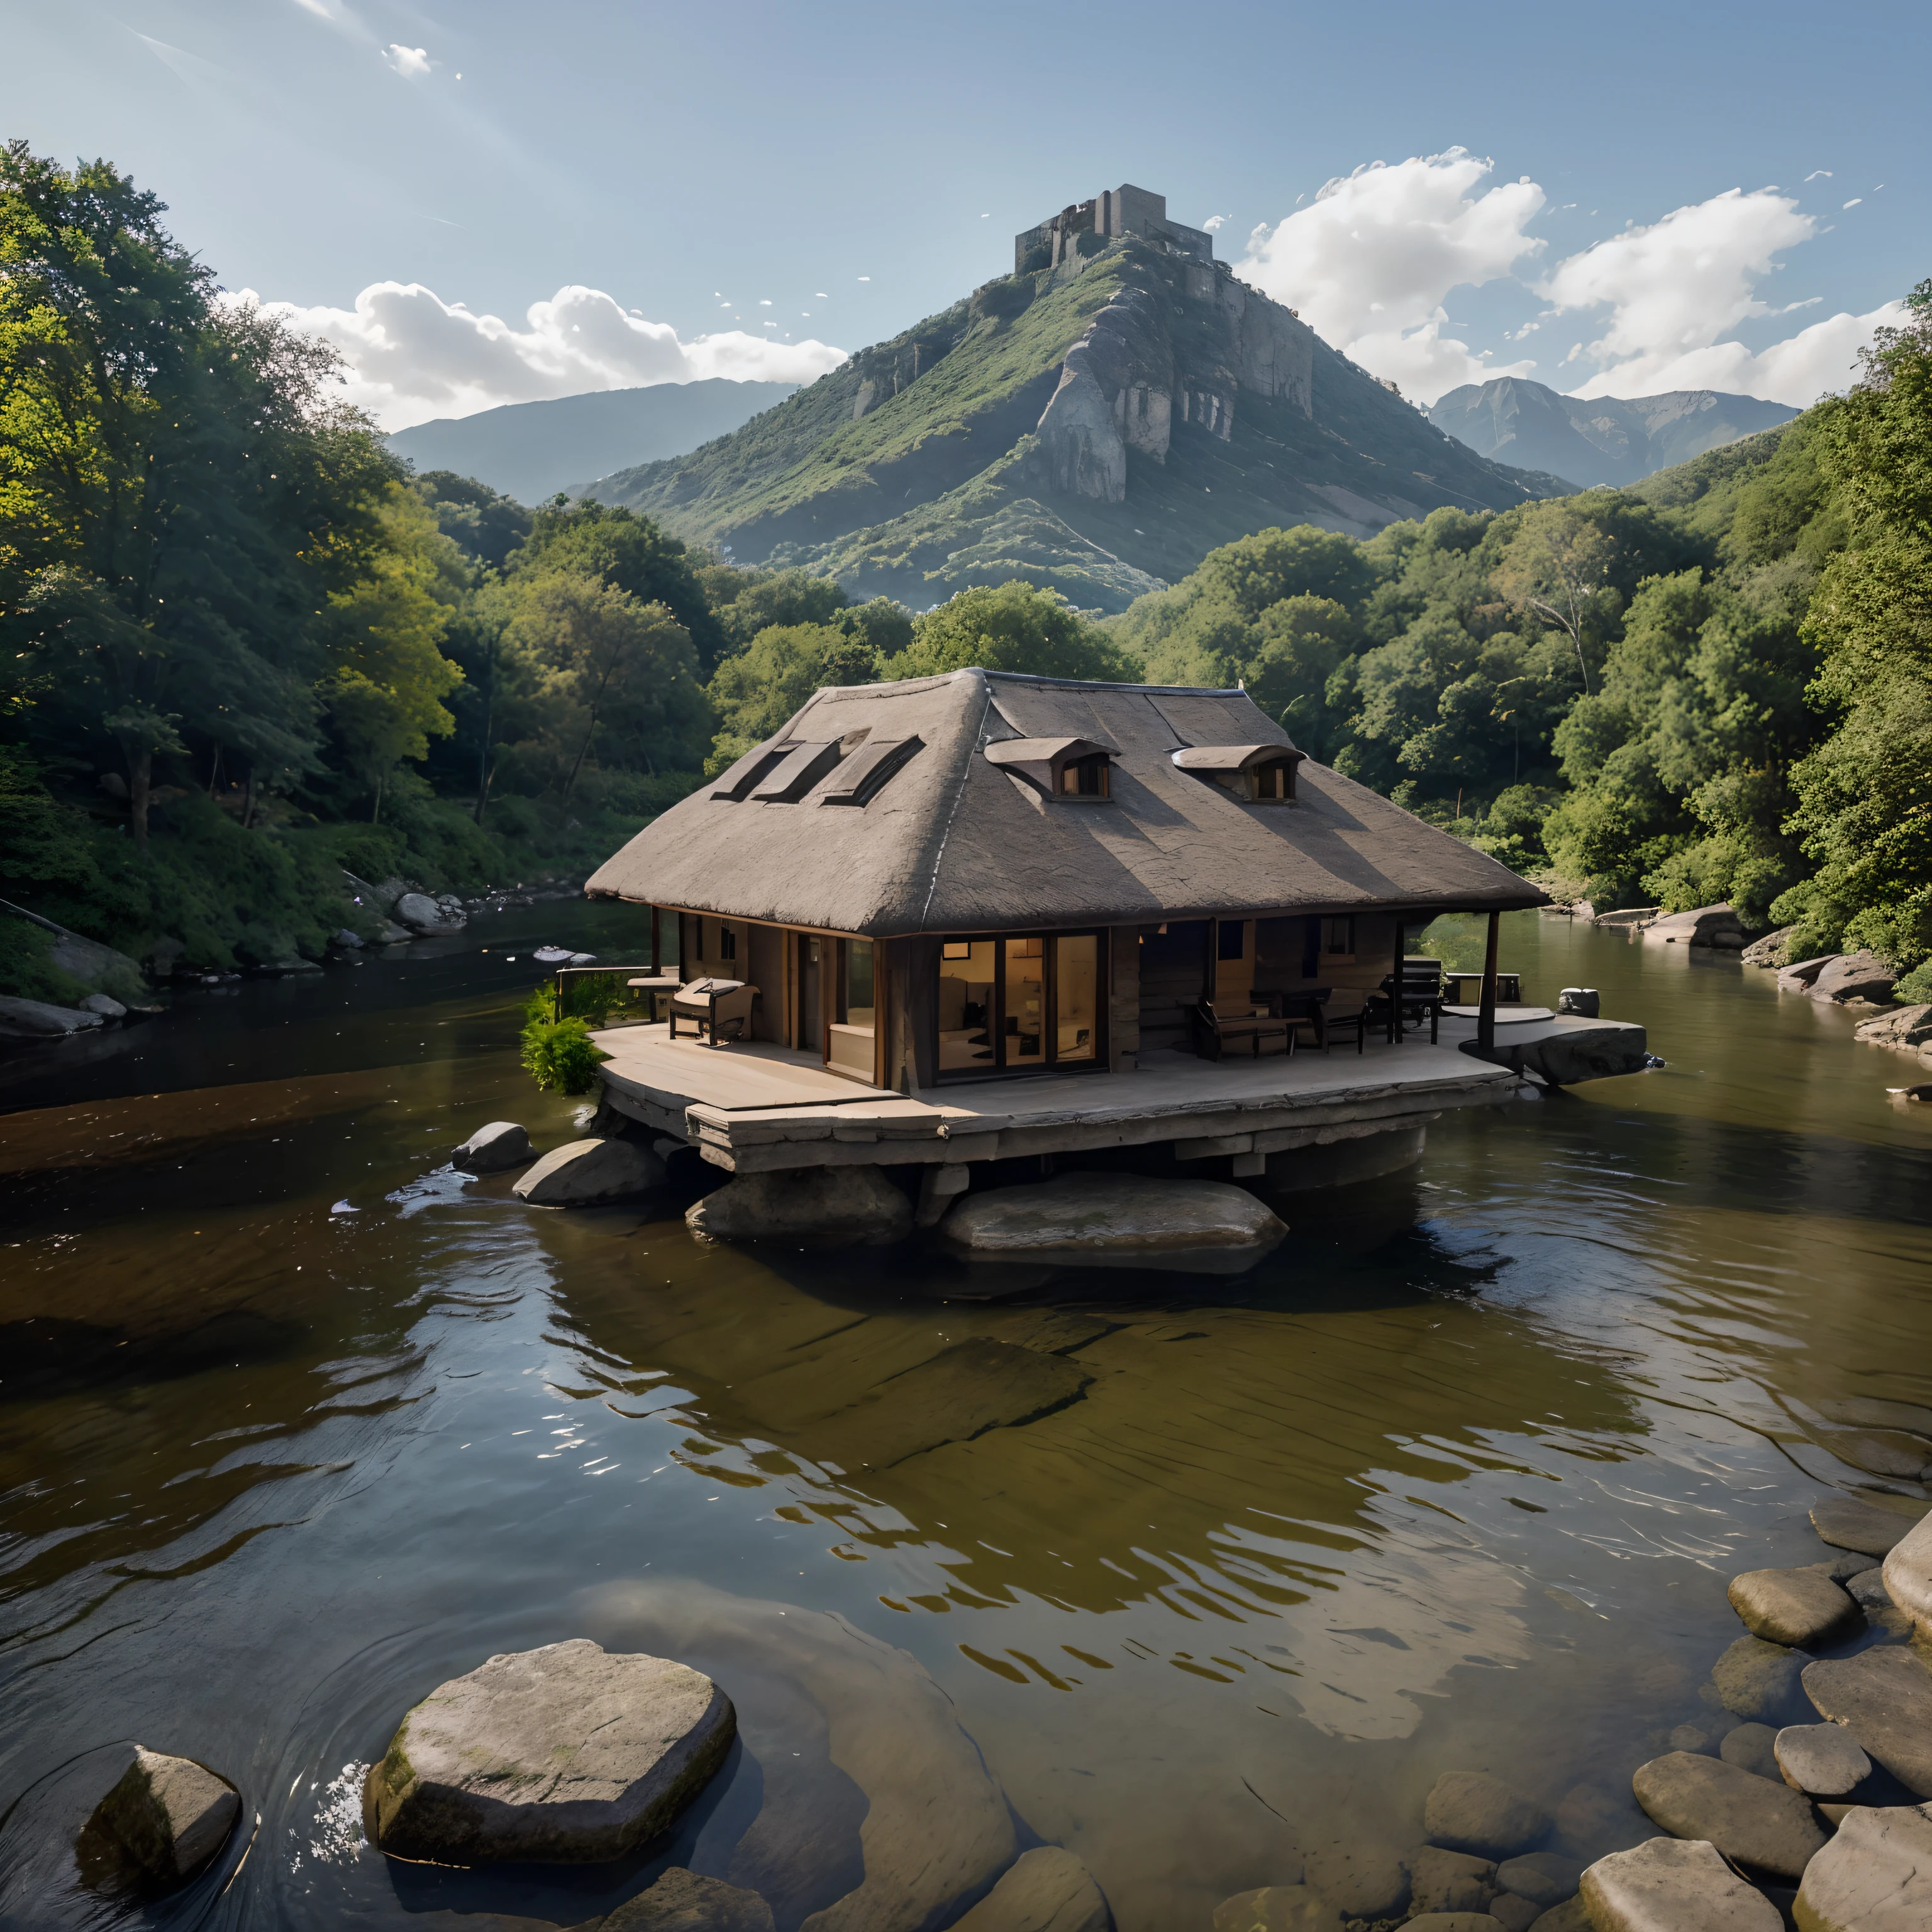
(756, 690)
(1559, 565)
(1013, 627)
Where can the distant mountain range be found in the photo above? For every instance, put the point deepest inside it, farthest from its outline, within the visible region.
(530, 451)
(1604, 440)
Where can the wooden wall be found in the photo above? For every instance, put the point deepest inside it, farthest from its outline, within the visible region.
(1123, 996)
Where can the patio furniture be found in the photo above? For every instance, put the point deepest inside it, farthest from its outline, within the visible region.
(652, 984)
(714, 1007)
(1214, 1031)
(1308, 1006)
(1419, 994)
(1466, 989)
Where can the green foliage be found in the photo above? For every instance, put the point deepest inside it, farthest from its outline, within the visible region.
(559, 1054)
(1011, 627)
(755, 690)
(1915, 988)
(486, 526)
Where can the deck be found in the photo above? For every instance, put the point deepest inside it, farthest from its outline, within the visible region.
(750, 1107)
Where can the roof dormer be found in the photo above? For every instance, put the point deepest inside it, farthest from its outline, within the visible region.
(1075, 769)
(1256, 774)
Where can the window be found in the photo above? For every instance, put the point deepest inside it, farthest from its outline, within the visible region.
(854, 1013)
(727, 941)
(1338, 938)
(1233, 943)
(1076, 998)
(1020, 1004)
(1023, 1004)
(1274, 784)
(1085, 778)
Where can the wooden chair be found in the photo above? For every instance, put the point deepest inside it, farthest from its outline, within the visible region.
(1213, 1032)
(1419, 993)
(714, 1007)
(1308, 1006)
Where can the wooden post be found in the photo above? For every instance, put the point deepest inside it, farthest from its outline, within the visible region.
(1395, 987)
(1211, 973)
(1485, 1014)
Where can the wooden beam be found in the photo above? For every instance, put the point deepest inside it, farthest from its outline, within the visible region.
(1485, 1014)
(1395, 988)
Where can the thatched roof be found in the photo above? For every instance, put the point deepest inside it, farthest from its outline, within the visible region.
(929, 835)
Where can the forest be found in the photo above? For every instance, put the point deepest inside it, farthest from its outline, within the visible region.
(245, 648)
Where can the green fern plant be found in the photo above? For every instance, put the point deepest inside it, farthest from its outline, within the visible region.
(560, 1055)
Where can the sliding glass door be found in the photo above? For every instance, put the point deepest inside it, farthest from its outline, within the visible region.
(1023, 1003)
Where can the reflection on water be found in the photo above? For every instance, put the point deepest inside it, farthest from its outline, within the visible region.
(295, 1423)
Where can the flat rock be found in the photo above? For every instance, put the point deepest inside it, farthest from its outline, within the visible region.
(830, 1204)
(1112, 1219)
(679, 1900)
(1797, 977)
(1445, 1881)
(1821, 1760)
(564, 1755)
(1752, 1747)
(421, 913)
(1514, 1913)
(501, 1144)
(106, 1005)
(1455, 1922)
(1771, 950)
(1853, 975)
(1907, 1575)
(1759, 1680)
(1904, 1031)
(34, 1019)
(1714, 925)
(1360, 1879)
(581, 1173)
(1848, 1522)
(1793, 1607)
(1277, 1908)
(1888, 1452)
(1544, 1878)
(162, 1822)
(1472, 1811)
(1047, 1889)
(1875, 1876)
(1883, 1697)
(1747, 1818)
(1667, 1884)
(1871, 1411)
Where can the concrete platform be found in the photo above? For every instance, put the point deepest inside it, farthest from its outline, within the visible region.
(748, 1107)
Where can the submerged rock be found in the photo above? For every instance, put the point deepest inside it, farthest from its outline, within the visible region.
(1544, 1878)
(1669, 1885)
(1047, 1889)
(1890, 1452)
(1277, 1908)
(1444, 1881)
(1868, 1590)
(1360, 1879)
(1800, 1607)
(565, 1755)
(1875, 1876)
(830, 1204)
(500, 1144)
(1470, 1811)
(1884, 1698)
(1849, 1522)
(1117, 1219)
(679, 1900)
(1759, 1680)
(1747, 1818)
(1907, 1576)
(1821, 1760)
(1455, 1922)
(35, 1019)
(1752, 1747)
(581, 1173)
(162, 1822)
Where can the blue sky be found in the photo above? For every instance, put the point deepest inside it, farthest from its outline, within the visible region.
(1633, 198)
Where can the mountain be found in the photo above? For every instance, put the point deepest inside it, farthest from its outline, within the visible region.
(1096, 421)
(1602, 440)
(530, 451)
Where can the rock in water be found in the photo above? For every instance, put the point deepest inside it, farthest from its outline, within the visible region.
(581, 1173)
(1751, 1747)
(1875, 1876)
(1572, 1915)
(1884, 1698)
(1854, 975)
(1793, 1607)
(1116, 1220)
(1711, 925)
(679, 1900)
(1047, 1889)
(1514, 1913)
(1846, 1522)
(852, 1204)
(1449, 1881)
(1360, 1879)
(1759, 1680)
(500, 1144)
(421, 913)
(564, 1755)
(1667, 1885)
(1822, 1760)
(1470, 1811)
(1543, 1878)
(164, 1820)
(34, 1019)
(1748, 1819)
(1908, 1575)
(1277, 1908)
(1454, 1921)
(106, 1005)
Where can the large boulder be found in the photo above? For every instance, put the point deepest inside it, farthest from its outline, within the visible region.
(1907, 1576)
(1759, 1681)
(1277, 1908)
(1748, 1818)
(1773, 949)
(162, 1822)
(828, 1205)
(1800, 1607)
(1797, 977)
(581, 1173)
(1850, 1523)
(1875, 1876)
(564, 1755)
(1047, 1889)
(35, 1019)
(421, 913)
(501, 1143)
(1883, 1697)
(1854, 975)
(106, 1005)
(1821, 1760)
(1713, 925)
(1905, 1031)
(1667, 1884)
(1472, 1811)
(1113, 1220)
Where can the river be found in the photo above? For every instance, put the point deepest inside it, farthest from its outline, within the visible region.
(295, 1424)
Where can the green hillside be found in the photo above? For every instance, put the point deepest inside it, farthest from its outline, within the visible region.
(913, 470)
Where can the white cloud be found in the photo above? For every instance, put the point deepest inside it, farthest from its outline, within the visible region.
(1673, 289)
(407, 61)
(412, 356)
(1215, 223)
(1369, 261)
